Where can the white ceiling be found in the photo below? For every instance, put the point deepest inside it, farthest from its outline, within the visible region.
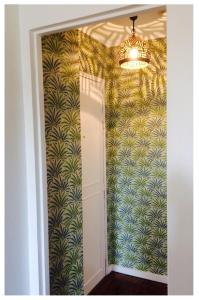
(150, 24)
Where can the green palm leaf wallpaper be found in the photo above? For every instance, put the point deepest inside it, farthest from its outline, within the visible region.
(62, 117)
(135, 153)
(136, 163)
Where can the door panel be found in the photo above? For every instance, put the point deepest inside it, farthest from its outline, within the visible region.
(92, 148)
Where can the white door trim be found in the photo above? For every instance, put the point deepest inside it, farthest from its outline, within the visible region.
(35, 138)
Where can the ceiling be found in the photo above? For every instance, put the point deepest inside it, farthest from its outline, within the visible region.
(151, 24)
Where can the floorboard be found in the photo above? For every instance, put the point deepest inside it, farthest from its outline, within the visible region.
(119, 284)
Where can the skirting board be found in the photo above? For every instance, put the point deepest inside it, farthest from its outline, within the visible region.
(93, 281)
(137, 273)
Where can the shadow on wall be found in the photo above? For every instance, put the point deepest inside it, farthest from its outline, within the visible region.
(149, 26)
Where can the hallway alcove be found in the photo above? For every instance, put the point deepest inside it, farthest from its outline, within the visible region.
(134, 184)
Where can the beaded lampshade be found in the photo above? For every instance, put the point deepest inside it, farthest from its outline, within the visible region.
(134, 54)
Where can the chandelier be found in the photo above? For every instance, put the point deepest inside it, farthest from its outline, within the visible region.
(134, 53)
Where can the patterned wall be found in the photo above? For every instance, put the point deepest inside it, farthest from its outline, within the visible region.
(136, 163)
(136, 157)
(93, 56)
(62, 126)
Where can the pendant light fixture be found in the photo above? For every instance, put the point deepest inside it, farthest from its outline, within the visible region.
(134, 53)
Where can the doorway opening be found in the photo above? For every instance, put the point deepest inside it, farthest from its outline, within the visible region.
(105, 131)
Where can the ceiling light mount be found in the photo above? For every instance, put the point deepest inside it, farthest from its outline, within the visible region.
(134, 53)
(133, 19)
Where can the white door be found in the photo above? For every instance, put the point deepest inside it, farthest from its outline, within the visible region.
(93, 187)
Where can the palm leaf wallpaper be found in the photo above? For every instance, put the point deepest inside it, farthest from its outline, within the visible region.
(136, 163)
(135, 154)
(62, 128)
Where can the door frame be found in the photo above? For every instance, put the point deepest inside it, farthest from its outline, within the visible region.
(35, 139)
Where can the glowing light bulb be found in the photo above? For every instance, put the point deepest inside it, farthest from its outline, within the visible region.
(133, 53)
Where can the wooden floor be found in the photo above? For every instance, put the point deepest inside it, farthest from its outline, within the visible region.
(120, 284)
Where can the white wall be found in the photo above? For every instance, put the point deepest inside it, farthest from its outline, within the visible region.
(180, 153)
(16, 228)
(37, 16)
